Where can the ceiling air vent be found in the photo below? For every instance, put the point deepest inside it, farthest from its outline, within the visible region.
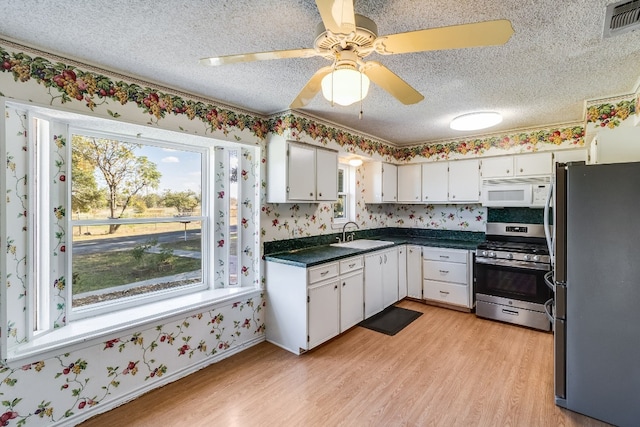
(622, 17)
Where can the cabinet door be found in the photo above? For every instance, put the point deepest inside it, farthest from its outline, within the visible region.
(351, 300)
(414, 271)
(497, 167)
(464, 181)
(389, 182)
(372, 284)
(409, 183)
(326, 175)
(533, 164)
(372, 182)
(565, 156)
(324, 313)
(302, 172)
(389, 277)
(402, 272)
(435, 182)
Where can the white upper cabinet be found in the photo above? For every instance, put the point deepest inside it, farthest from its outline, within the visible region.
(326, 175)
(300, 173)
(301, 164)
(464, 181)
(435, 182)
(497, 167)
(409, 183)
(517, 166)
(381, 182)
(566, 156)
(533, 164)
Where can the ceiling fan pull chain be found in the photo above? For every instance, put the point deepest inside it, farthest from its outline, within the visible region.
(360, 115)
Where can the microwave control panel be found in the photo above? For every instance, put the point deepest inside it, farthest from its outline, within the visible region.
(539, 195)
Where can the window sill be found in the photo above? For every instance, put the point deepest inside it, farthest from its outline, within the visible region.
(90, 331)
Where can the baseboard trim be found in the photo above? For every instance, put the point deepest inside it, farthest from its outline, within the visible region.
(102, 408)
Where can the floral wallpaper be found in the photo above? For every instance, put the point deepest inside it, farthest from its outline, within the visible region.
(72, 385)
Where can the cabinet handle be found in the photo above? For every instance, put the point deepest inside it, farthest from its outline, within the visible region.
(511, 312)
(385, 258)
(453, 196)
(352, 265)
(521, 170)
(507, 170)
(380, 260)
(343, 284)
(444, 292)
(311, 194)
(444, 256)
(416, 197)
(426, 197)
(324, 273)
(335, 287)
(444, 271)
(320, 194)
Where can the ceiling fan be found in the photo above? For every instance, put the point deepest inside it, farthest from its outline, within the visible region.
(346, 38)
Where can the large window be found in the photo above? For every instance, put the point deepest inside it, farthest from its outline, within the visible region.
(136, 216)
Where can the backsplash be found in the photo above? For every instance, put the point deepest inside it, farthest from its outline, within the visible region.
(516, 215)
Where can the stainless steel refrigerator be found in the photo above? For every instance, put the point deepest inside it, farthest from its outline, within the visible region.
(596, 279)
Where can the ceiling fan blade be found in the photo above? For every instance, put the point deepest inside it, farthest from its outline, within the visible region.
(337, 15)
(312, 87)
(259, 56)
(486, 33)
(387, 80)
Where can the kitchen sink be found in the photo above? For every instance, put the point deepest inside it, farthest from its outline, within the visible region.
(363, 244)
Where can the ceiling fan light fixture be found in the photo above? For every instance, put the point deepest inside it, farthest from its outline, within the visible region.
(476, 121)
(345, 86)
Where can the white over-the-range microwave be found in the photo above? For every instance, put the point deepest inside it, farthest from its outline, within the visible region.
(531, 192)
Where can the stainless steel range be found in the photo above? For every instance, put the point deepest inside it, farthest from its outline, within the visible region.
(509, 275)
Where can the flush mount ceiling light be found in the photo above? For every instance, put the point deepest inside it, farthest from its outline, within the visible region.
(355, 162)
(476, 121)
(345, 86)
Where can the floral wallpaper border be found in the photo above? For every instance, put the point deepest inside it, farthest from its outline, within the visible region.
(67, 83)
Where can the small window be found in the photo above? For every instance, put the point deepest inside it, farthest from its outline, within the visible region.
(340, 207)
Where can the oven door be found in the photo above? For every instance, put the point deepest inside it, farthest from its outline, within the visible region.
(515, 280)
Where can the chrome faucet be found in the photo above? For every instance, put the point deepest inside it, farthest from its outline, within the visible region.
(344, 230)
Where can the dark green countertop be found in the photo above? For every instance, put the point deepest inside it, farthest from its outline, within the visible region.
(309, 257)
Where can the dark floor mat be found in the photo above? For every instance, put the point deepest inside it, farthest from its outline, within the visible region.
(391, 320)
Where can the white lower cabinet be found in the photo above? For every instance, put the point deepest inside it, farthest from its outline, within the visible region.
(308, 306)
(351, 292)
(380, 280)
(414, 271)
(324, 311)
(402, 272)
(447, 276)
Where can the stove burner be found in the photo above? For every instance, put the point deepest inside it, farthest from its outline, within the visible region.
(521, 247)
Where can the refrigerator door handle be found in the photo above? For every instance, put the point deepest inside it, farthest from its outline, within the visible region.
(547, 228)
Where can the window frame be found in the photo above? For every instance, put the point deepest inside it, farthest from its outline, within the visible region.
(82, 331)
(348, 192)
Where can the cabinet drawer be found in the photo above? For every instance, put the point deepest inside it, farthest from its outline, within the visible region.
(445, 271)
(351, 264)
(322, 272)
(449, 293)
(443, 254)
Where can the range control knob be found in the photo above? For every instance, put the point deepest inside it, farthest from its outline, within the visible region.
(492, 254)
(484, 253)
(509, 256)
(526, 257)
(536, 258)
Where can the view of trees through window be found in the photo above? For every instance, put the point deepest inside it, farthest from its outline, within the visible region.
(136, 218)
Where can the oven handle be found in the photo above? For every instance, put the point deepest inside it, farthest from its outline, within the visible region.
(514, 264)
(548, 308)
(548, 279)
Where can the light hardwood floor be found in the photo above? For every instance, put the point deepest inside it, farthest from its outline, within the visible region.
(447, 368)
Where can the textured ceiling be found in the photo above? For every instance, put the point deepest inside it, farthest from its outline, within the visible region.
(555, 60)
